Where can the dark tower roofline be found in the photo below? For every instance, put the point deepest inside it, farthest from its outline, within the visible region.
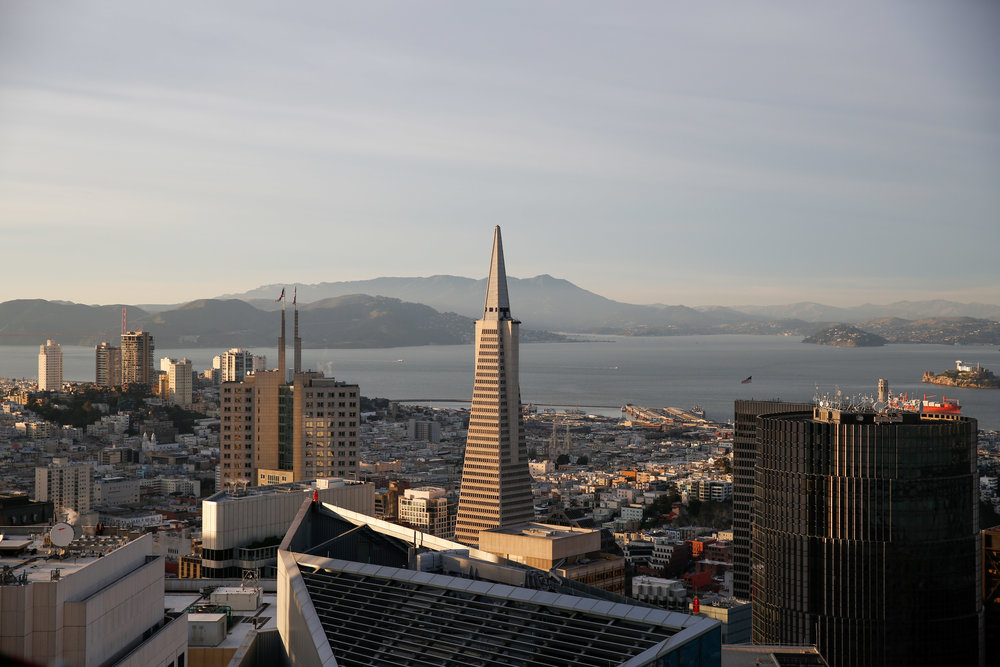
(497, 302)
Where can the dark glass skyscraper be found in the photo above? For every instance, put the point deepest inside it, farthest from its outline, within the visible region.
(865, 537)
(744, 458)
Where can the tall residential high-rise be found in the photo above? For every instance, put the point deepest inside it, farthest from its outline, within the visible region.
(496, 485)
(108, 365)
(235, 364)
(273, 431)
(179, 379)
(236, 437)
(326, 428)
(137, 358)
(744, 455)
(865, 536)
(50, 366)
(68, 486)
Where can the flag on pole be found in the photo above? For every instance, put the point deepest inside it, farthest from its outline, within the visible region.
(748, 380)
(282, 295)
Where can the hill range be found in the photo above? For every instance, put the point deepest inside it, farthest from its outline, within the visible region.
(438, 310)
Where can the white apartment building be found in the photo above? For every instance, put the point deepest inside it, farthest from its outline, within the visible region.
(715, 490)
(70, 486)
(50, 366)
(116, 491)
(235, 364)
(180, 379)
(167, 485)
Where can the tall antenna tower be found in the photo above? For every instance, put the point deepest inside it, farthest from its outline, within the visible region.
(124, 319)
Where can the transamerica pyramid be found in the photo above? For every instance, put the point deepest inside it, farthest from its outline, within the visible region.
(496, 485)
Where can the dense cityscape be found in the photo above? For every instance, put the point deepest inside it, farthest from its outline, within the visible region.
(277, 390)
(238, 506)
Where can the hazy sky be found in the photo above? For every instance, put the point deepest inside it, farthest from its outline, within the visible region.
(672, 152)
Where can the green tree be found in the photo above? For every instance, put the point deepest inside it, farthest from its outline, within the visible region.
(653, 514)
(693, 507)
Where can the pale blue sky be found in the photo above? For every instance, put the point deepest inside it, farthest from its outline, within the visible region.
(673, 152)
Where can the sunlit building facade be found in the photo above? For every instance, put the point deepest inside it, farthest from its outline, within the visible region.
(496, 484)
(137, 358)
(50, 366)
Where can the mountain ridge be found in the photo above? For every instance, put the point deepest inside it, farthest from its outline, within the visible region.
(439, 310)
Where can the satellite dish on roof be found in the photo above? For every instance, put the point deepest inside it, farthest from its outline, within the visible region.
(61, 534)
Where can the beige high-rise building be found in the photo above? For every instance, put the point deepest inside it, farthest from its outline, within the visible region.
(179, 380)
(137, 358)
(50, 366)
(69, 486)
(108, 365)
(236, 439)
(326, 432)
(274, 431)
(496, 485)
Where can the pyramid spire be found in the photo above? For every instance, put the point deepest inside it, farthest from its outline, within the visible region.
(496, 484)
(497, 303)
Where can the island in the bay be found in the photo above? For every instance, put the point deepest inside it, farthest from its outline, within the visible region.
(964, 375)
(844, 335)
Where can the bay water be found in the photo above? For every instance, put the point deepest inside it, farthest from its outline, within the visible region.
(601, 373)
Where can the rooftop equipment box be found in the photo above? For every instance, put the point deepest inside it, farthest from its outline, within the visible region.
(236, 598)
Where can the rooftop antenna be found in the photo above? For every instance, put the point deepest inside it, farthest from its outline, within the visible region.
(297, 362)
(283, 374)
(124, 319)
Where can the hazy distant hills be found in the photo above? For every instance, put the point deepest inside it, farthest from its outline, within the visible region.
(554, 304)
(955, 330)
(389, 312)
(542, 302)
(349, 321)
(908, 310)
(32, 321)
